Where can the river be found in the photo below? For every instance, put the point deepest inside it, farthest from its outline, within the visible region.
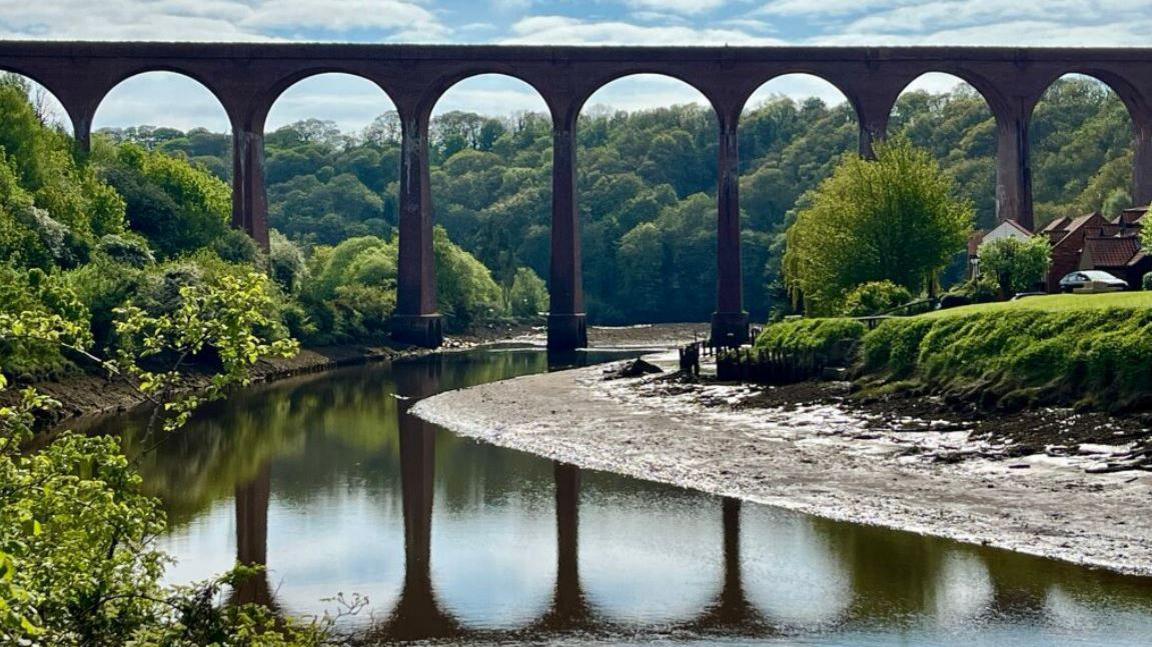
(329, 482)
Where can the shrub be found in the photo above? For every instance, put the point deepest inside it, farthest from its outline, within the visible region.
(286, 262)
(126, 249)
(875, 298)
(528, 296)
(805, 335)
(1100, 357)
(235, 246)
(466, 291)
(103, 286)
(1014, 265)
(33, 291)
(1147, 281)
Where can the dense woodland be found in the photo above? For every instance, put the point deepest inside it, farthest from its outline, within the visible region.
(147, 211)
(647, 183)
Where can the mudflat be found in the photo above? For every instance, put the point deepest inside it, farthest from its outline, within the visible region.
(821, 457)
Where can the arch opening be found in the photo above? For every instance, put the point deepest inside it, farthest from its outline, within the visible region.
(332, 161)
(163, 141)
(647, 177)
(952, 120)
(490, 157)
(1082, 141)
(171, 113)
(793, 130)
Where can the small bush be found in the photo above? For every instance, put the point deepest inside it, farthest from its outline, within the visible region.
(33, 291)
(286, 263)
(804, 335)
(875, 298)
(1146, 283)
(126, 249)
(236, 246)
(528, 296)
(103, 286)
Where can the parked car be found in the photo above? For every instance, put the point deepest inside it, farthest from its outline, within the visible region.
(1025, 295)
(1095, 280)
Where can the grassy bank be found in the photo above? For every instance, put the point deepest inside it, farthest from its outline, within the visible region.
(1087, 350)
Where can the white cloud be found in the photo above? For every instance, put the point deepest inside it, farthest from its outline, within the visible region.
(348, 15)
(214, 20)
(511, 5)
(641, 91)
(677, 6)
(827, 7)
(562, 30)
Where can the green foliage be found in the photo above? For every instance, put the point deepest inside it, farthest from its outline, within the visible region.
(226, 315)
(1146, 282)
(350, 291)
(803, 335)
(103, 286)
(286, 262)
(236, 246)
(177, 207)
(34, 294)
(895, 218)
(126, 249)
(78, 559)
(528, 295)
(52, 209)
(1015, 265)
(875, 298)
(466, 291)
(1096, 356)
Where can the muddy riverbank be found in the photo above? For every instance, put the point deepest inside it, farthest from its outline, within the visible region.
(823, 456)
(91, 394)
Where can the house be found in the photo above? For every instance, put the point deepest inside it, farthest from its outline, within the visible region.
(1092, 242)
(1006, 229)
(1089, 242)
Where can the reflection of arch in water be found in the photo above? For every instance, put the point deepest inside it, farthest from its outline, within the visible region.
(648, 558)
(731, 612)
(792, 573)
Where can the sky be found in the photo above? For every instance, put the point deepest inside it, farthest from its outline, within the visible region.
(165, 99)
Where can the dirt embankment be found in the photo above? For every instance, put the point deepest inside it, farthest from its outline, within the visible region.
(89, 394)
(1019, 484)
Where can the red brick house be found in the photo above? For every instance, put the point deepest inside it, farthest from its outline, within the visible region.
(1092, 242)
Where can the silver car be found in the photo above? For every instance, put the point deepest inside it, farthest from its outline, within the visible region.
(1084, 278)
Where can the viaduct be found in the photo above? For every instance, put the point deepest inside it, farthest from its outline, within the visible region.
(247, 79)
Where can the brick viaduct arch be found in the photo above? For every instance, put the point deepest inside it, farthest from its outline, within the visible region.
(248, 78)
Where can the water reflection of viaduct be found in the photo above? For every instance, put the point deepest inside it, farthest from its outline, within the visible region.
(417, 614)
(247, 79)
(888, 574)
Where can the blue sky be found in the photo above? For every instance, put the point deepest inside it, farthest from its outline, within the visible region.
(161, 99)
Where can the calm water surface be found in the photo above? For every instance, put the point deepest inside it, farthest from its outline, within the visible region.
(330, 483)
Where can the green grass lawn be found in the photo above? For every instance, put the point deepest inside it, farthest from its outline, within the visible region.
(1056, 303)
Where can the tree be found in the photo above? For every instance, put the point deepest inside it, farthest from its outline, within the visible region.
(1015, 265)
(894, 218)
(78, 559)
(177, 207)
(528, 296)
